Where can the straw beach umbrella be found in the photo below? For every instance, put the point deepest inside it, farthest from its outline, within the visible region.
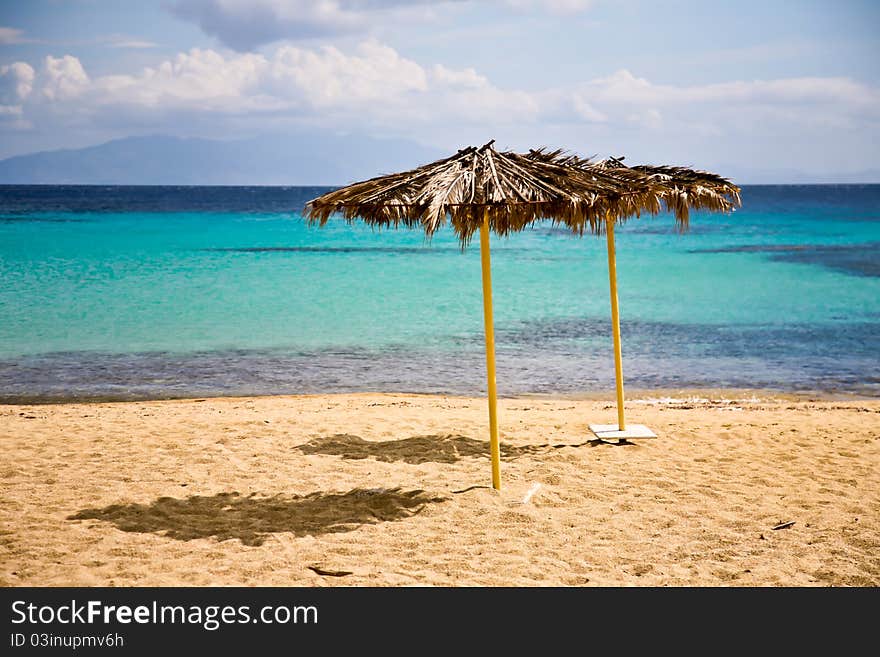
(680, 189)
(486, 190)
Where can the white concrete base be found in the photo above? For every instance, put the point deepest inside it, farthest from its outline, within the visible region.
(610, 432)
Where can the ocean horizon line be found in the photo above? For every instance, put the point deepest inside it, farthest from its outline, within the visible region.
(341, 184)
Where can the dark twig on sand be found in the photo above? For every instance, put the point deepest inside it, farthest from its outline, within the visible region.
(330, 573)
(784, 525)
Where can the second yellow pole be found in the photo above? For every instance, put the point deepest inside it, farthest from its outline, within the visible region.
(615, 320)
(494, 449)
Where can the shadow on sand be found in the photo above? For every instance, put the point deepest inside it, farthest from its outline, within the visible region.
(423, 449)
(252, 518)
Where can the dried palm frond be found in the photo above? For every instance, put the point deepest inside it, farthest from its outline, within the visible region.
(511, 190)
(683, 188)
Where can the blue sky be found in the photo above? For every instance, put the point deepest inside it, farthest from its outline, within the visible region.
(743, 88)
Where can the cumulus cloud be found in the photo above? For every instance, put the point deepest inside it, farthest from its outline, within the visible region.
(246, 24)
(624, 87)
(200, 80)
(63, 78)
(16, 84)
(730, 106)
(374, 89)
(374, 85)
(375, 82)
(375, 78)
(329, 78)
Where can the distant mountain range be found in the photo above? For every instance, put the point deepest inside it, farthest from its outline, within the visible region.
(319, 159)
(297, 159)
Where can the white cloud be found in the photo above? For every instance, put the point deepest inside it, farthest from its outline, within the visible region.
(466, 78)
(10, 35)
(328, 78)
(137, 44)
(63, 78)
(624, 87)
(246, 24)
(376, 84)
(200, 80)
(373, 85)
(585, 110)
(373, 89)
(552, 6)
(466, 95)
(569, 6)
(16, 84)
(730, 106)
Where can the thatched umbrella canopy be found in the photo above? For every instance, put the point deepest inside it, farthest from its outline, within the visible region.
(674, 189)
(508, 189)
(486, 190)
(683, 189)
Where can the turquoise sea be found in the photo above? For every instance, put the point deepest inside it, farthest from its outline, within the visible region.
(154, 292)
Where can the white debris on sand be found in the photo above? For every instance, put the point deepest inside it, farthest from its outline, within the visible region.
(531, 493)
(684, 403)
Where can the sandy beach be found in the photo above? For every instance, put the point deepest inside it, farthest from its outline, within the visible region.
(393, 490)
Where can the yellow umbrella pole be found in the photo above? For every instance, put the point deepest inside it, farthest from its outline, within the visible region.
(615, 320)
(490, 351)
